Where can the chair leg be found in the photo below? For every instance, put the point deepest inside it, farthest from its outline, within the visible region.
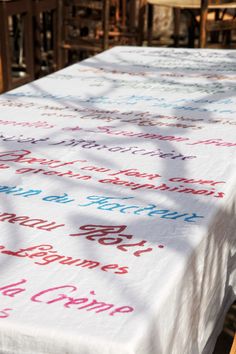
(214, 35)
(106, 7)
(37, 45)
(61, 30)
(149, 24)
(1, 77)
(141, 21)
(176, 25)
(5, 50)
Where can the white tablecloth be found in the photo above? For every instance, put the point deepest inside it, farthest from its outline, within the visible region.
(118, 205)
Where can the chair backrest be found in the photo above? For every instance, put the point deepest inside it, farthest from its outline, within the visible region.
(91, 26)
(219, 23)
(16, 52)
(85, 26)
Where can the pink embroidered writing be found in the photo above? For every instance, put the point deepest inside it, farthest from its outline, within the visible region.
(87, 303)
(4, 313)
(38, 124)
(68, 297)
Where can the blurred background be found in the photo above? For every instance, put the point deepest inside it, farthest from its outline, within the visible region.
(38, 37)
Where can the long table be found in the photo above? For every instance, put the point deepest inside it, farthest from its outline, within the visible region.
(118, 205)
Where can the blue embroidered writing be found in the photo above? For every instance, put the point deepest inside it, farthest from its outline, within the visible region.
(19, 191)
(110, 204)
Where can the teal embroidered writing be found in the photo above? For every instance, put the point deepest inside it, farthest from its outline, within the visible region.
(151, 210)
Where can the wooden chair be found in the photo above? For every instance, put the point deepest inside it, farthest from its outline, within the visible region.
(146, 16)
(91, 26)
(16, 28)
(176, 19)
(223, 22)
(83, 21)
(47, 31)
(198, 9)
(123, 27)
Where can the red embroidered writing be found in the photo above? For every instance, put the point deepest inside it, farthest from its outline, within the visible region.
(45, 254)
(111, 235)
(164, 187)
(23, 156)
(27, 221)
(109, 130)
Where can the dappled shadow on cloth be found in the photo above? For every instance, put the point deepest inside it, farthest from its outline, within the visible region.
(204, 265)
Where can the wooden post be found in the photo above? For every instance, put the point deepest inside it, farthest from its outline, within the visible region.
(106, 15)
(176, 13)
(149, 24)
(233, 348)
(203, 24)
(1, 78)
